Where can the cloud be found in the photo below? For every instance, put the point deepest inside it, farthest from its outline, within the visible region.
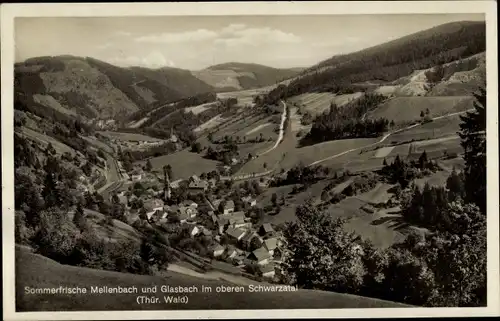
(154, 59)
(231, 35)
(180, 37)
(123, 34)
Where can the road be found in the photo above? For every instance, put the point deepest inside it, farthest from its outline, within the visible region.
(269, 172)
(113, 177)
(384, 138)
(281, 132)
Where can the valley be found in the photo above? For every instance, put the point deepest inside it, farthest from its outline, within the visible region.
(239, 173)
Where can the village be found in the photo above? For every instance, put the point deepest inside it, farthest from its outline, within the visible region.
(206, 210)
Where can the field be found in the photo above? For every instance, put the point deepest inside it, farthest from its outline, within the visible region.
(129, 136)
(36, 271)
(184, 164)
(437, 128)
(45, 140)
(404, 109)
(250, 127)
(295, 121)
(316, 103)
(200, 108)
(212, 122)
(245, 97)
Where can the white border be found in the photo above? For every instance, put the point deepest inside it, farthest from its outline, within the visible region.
(9, 11)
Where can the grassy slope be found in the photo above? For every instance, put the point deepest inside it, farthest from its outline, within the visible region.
(402, 109)
(184, 164)
(37, 271)
(241, 76)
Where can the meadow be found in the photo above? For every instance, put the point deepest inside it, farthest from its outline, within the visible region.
(405, 109)
(184, 164)
(36, 271)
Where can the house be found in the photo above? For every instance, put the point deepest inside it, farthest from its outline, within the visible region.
(187, 212)
(260, 256)
(206, 232)
(235, 233)
(269, 271)
(247, 240)
(213, 216)
(198, 187)
(239, 260)
(221, 224)
(217, 250)
(234, 161)
(194, 230)
(249, 200)
(229, 207)
(189, 203)
(136, 177)
(231, 252)
(271, 244)
(266, 229)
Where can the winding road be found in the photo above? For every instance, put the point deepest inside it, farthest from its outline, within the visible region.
(269, 172)
(281, 132)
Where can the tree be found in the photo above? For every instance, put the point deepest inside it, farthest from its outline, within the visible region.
(473, 136)
(196, 147)
(274, 199)
(321, 254)
(79, 217)
(455, 185)
(149, 167)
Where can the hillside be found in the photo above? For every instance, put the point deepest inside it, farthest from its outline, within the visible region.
(390, 61)
(41, 272)
(96, 89)
(240, 76)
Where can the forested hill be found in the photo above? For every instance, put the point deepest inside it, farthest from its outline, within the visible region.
(240, 76)
(96, 89)
(389, 61)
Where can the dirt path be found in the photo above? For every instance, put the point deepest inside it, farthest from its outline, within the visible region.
(281, 133)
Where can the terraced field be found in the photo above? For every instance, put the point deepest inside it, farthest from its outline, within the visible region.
(316, 103)
(405, 109)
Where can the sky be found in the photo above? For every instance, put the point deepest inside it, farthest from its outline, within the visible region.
(196, 42)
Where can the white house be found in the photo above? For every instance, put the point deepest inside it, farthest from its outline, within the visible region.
(136, 177)
(194, 230)
(249, 200)
(218, 250)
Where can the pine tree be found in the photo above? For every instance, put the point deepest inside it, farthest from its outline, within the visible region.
(473, 132)
(423, 160)
(79, 217)
(149, 167)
